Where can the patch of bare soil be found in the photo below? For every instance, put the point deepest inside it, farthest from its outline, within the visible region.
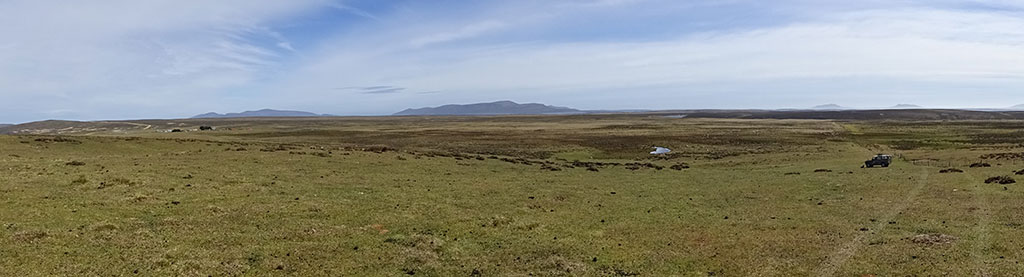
(933, 239)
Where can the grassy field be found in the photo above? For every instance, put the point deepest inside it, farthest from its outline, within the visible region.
(519, 196)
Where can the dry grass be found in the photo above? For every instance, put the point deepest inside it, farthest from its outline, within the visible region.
(465, 196)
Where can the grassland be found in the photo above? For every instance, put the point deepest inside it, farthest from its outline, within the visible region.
(499, 196)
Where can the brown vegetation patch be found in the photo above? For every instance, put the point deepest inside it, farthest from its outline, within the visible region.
(318, 154)
(79, 181)
(978, 165)
(423, 250)
(997, 138)
(380, 228)
(933, 239)
(116, 182)
(549, 167)
(276, 148)
(1002, 180)
(679, 166)
(58, 140)
(29, 236)
(951, 170)
(103, 227)
(910, 144)
(498, 221)
(1003, 156)
(631, 127)
(638, 166)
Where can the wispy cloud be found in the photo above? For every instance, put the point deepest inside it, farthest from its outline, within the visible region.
(382, 91)
(374, 89)
(841, 56)
(465, 32)
(160, 52)
(155, 58)
(354, 11)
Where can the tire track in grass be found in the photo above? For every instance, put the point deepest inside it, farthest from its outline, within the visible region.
(981, 266)
(839, 257)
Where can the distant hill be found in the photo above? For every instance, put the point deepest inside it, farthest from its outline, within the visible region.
(6, 125)
(494, 108)
(829, 107)
(1018, 107)
(260, 113)
(906, 106)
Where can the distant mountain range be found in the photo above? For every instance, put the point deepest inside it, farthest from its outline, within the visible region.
(6, 125)
(261, 113)
(493, 108)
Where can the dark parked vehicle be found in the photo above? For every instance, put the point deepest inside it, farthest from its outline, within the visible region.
(879, 160)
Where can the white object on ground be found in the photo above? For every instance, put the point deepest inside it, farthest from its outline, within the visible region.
(660, 150)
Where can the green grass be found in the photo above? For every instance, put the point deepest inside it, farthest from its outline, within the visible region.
(306, 199)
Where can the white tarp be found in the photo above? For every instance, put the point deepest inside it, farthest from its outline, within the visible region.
(660, 150)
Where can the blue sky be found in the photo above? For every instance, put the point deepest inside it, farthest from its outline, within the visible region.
(125, 59)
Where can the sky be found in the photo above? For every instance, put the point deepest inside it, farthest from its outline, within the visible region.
(129, 59)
